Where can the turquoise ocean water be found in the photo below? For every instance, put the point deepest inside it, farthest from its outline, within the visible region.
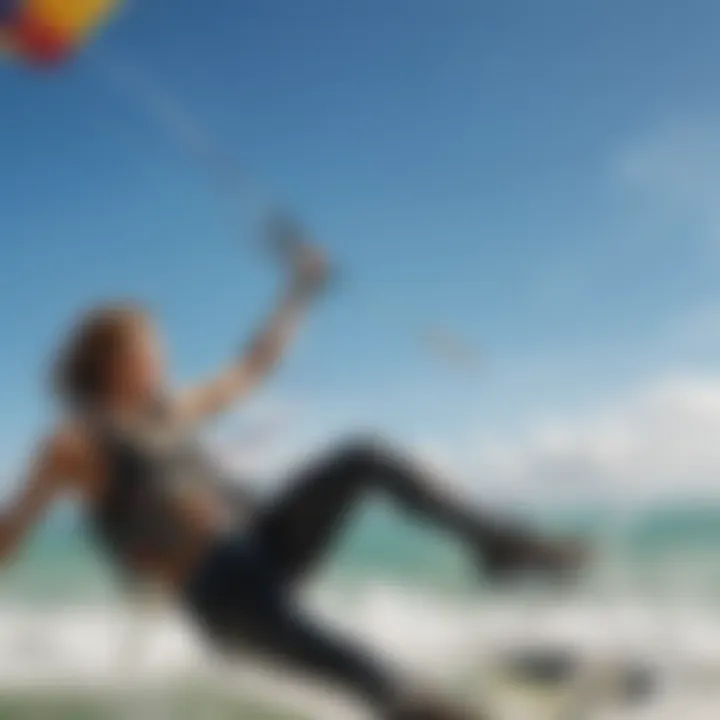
(60, 563)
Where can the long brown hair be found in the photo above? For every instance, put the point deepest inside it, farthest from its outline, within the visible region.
(81, 372)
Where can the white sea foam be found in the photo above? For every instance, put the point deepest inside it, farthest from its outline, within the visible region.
(106, 648)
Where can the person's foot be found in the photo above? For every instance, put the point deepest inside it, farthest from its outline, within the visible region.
(514, 557)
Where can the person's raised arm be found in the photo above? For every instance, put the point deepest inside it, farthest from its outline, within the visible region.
(50, 470)
(308, 273)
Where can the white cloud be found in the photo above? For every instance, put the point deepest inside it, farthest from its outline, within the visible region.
(661, 439)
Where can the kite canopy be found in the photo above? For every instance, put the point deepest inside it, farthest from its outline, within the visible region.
(47, 32)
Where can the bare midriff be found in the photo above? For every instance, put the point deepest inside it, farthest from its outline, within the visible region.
(174, 572)
(204, 519)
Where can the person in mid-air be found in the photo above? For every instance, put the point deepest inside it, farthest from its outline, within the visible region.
(127, 449)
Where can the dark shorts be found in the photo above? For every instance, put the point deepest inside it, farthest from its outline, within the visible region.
(237, 590)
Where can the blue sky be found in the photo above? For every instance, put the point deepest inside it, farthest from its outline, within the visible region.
(539, 177)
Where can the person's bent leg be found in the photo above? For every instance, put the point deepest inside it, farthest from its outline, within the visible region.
(503, 545)
(305, 519)
(290, 641)
(293, 641)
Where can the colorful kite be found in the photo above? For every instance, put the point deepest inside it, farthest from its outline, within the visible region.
(48, 32)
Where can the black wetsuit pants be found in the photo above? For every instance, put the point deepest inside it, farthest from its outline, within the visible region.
(243, 593)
